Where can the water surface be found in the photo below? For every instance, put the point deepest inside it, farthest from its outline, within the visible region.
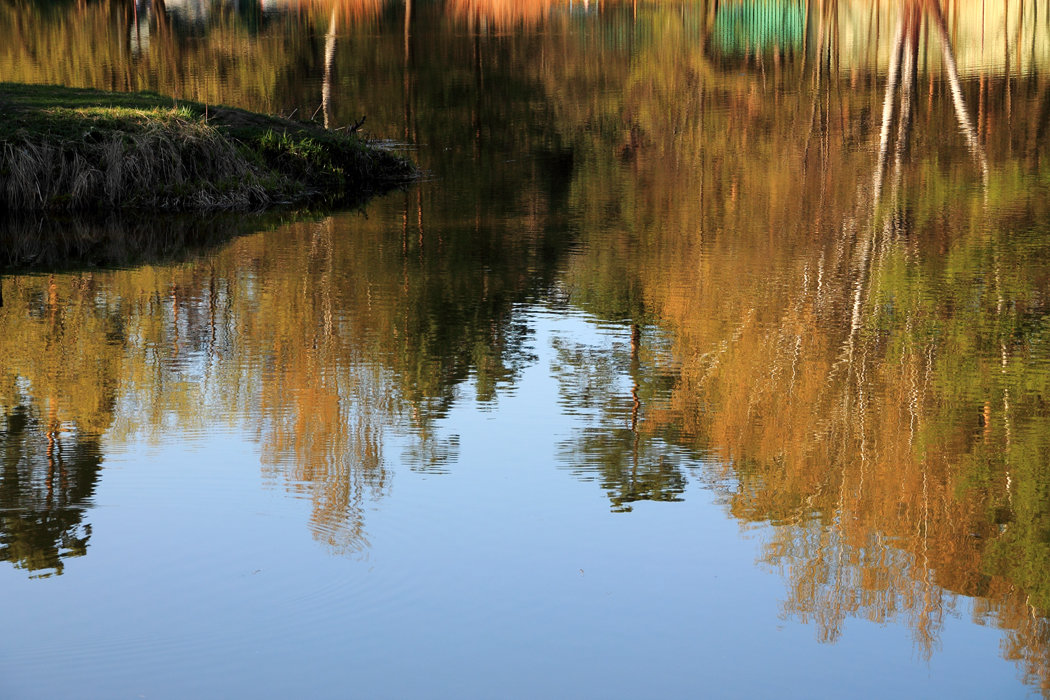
(703, 364)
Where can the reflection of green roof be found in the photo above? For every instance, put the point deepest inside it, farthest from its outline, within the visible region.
(759, 26)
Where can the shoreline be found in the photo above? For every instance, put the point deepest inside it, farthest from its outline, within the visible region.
(71, 149)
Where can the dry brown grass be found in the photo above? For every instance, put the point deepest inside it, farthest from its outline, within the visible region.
(63, 149)
(175, 165)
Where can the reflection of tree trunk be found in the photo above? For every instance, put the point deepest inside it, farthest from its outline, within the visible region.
(130, 22)
(887, 107)
(956, 89)
(212, 309)
(710, 13)
(636, 341)
(478, 89)
(175, 340)
(406, 80)
(817, 70)
(22, 31)
(1004, 362)
(404, 235)
(167, 41)
(52, 449)
(1037, 127)
(329, 60)
(636, 404)
(326, 283)
(908, 72)
(1008, 101)
(419, 220)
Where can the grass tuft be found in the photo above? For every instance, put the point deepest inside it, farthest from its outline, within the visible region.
(80, 149)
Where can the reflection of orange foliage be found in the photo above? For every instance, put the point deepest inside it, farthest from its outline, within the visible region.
(749, 239)
(502, 13)
(506, 14)
(345, 10)
(832, 433)
(835, 436)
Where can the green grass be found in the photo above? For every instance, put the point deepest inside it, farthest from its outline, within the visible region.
(64, 148)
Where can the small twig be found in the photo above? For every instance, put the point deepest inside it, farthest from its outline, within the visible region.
(357, 125)
(316, 111)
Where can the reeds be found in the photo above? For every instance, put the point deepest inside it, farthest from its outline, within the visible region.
(170, 165)
(175, 159)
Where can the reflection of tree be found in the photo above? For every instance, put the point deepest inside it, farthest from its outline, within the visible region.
(61, 359)
(46, 478)
(613, 392)
(870, 368)
(327, 338)
(869, 364)
(346, 334)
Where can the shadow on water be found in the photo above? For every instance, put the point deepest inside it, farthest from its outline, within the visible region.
(79, 242)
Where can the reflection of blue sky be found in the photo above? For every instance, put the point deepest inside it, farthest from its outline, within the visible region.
(504, 577)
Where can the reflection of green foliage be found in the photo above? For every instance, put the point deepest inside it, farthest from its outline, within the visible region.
(614, 389)
(980, 310)
(43, 493)
(1021, 551)
(706, 199)
(627, 466)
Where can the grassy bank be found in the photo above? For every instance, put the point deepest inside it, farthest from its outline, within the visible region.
(64, 148)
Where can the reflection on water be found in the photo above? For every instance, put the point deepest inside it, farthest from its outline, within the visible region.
(48, 478)
(323, 337)
(614, 390)
(810, 237)
(118, 240)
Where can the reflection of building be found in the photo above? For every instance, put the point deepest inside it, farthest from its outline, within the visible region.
(190, 11)
(757, 27)
(989, 37)
(194, 16)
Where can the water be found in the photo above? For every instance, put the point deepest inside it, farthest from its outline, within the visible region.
(682, 374)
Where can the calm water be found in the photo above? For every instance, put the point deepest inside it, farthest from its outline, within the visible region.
(702, 365)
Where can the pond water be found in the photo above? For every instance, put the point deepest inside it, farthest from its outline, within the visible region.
(711, 359)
